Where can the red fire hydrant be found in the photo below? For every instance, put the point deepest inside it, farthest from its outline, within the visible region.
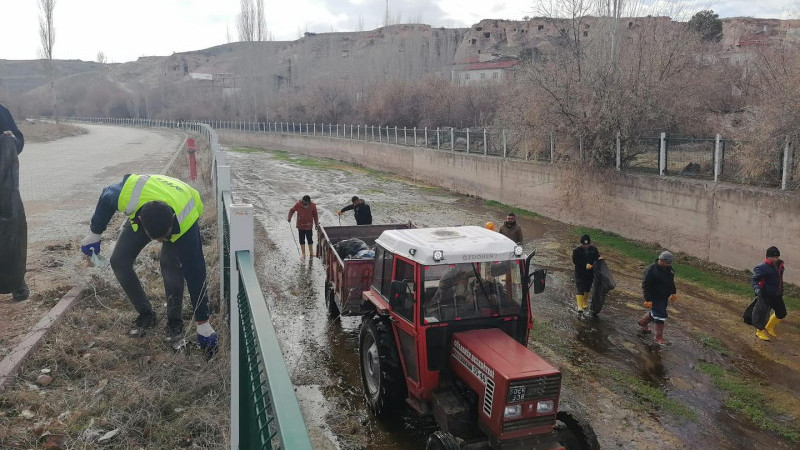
(192, 162)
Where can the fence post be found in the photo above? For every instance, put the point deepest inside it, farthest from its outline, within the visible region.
(415, 136)
(619, 152)
(426, 137)
(405, 136)
(580, 149)
(505, 153)
(787, 164)
(388, 138)
(395, 135)
(372, 130)
(438, 145)
(452, 140)
(337, 130)
(662, 154)
(467, 140)
(717, 158)
(358, 132)
(485, 150)
(552, 149)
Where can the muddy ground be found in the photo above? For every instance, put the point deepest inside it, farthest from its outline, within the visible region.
(698, 393)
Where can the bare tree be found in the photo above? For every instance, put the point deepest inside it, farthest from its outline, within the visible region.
(260, 22)
(246, 21)
(47, 37)
(101, 57)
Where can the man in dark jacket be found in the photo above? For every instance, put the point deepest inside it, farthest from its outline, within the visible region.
(360, 210)
(511, 228)
(9, 128)
(767, 282)
(584, 257)
(20, 231)
(659, 288)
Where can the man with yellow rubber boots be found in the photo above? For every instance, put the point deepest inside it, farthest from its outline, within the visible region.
(584, 257)
(767, 282)
(167, 210)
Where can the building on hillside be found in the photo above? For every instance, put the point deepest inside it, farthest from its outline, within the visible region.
(483, 72)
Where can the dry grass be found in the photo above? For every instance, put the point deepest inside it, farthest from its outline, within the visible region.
(103, 380)
(37, 131)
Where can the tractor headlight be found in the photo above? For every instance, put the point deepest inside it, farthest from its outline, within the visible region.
(544, 407)
(513, 411)
(517, 250)
(438, 255)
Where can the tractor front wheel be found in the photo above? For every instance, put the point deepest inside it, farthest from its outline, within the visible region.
(575, 432)
(442, 441)
(381, 373)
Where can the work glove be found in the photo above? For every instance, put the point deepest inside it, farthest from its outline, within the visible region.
(91, 244)
(647, 304)
(589, 267)
(207, 338)
(673, 298)
(758, 292)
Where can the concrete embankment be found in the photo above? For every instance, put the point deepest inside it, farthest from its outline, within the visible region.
(727, 224)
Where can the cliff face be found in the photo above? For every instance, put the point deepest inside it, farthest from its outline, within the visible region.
(356, 60)
(509, 37)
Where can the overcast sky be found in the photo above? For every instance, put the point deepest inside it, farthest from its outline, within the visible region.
(126, 30)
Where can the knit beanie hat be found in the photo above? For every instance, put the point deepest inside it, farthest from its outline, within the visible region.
(585, 239)
(666, 256)
(773, 251)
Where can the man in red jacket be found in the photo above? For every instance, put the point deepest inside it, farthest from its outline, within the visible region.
(307, 219)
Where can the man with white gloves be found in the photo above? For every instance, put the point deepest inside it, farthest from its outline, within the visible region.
(166, 210)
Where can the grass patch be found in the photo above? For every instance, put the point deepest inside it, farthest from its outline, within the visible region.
(304, 161)
(507, 208)
(247, 150)
(651, 395)
(647, 253)
(714, 344)
(745, 398)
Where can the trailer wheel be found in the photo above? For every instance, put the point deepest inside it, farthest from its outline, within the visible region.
(381, 374)
(442, 441)
(330, 300)
(575, 432)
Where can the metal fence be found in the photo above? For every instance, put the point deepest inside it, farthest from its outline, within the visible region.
(714, 159)
(264, 410)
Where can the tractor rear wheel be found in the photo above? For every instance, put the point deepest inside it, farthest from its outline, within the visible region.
(442, 441)
(330, 300)
(575, 432)
(381, 373)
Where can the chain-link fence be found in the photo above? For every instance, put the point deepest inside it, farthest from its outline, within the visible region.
(715, 159)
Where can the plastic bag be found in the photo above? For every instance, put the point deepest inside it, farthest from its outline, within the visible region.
(349, 248)
(13, 225)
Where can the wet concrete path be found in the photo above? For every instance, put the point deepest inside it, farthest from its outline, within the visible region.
(608, 367)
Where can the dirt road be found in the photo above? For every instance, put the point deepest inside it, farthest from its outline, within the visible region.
(636, 396)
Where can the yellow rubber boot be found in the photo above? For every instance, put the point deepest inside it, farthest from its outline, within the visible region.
(303, 252)
(762, 335)
(310, 251)
(770, 327)
(581, 300)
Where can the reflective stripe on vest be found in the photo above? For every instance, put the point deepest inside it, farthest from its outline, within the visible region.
(183, 199)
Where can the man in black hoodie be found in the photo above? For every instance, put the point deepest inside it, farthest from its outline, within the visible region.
(360, 210)
(659, 289)
(767, 282)
(9, 128)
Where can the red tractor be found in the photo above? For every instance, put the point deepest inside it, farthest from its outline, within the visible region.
(446, 317)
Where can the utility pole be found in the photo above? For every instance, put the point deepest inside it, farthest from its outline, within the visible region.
(386, 17)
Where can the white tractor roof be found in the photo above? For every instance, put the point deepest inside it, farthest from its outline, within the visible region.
(458, 244)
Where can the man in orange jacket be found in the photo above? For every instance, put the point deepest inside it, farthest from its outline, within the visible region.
(307, 220)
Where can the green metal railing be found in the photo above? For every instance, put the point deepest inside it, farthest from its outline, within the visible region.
(269, 414)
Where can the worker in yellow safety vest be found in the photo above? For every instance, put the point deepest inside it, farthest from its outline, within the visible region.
(164, 209)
